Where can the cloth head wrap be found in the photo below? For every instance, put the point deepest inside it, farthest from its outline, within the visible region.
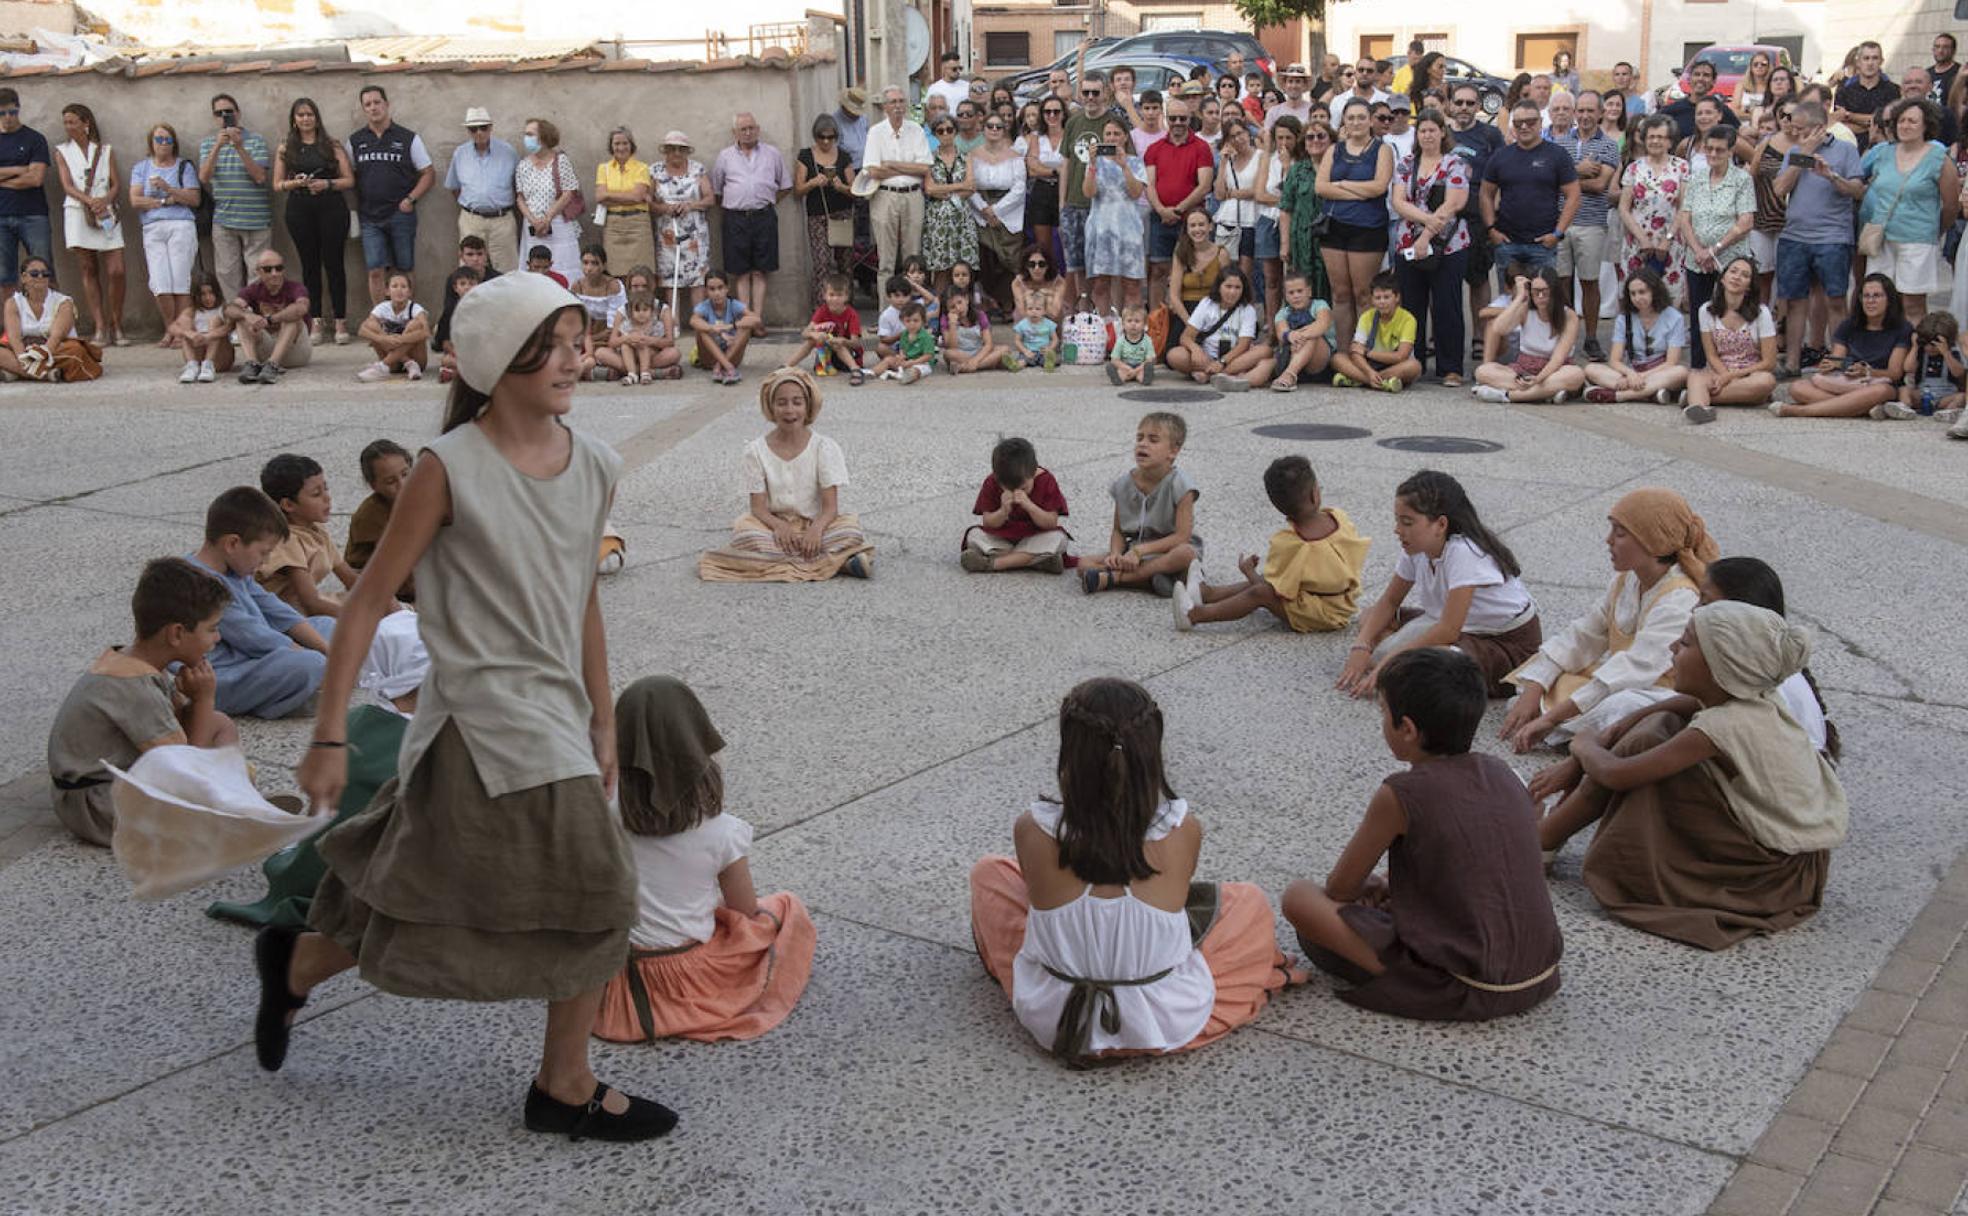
(662, 730)
(495, 319)
(1665, 525)
(1749, 650)
(397, 661)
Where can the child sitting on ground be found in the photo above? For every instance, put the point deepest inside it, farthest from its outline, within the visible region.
(1311, 578)
(539, 260)
(709, 959)
(1223, 345)
(1154, 539)
(915, 351)
(723, 328)
(963, 281)
(269, 659)
(203, 333)
(1034, 339)
(916, 272)
(967, 344)
(392, 674)
(127, 703)
(1382, 355)
(296, 567)
(1934, 373)
(1716, 815)
(1466, 589)
(385, 467)
(1461, 928)
(1020, 505)
(1133, 358)
(398, 330)
(1096, 931)
(462, 280)
(834, 331)
(1303, 332)
(888, 326)
(644, 338)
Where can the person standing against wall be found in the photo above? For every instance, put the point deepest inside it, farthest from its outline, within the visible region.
(392, 171)
(236, 166)
(749, 178)
(313, 171)
(90, 225)
(163, 191)
(480, 178)
(23, 200)
(898, 159)
(622, 185)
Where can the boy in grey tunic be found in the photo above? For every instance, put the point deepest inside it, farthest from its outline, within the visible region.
(1154, 541)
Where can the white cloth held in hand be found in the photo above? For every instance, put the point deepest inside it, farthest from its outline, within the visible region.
(185, 815)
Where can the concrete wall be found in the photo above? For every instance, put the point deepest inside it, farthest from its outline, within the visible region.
(583, 103)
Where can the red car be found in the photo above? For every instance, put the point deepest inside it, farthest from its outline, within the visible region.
(1731, 62)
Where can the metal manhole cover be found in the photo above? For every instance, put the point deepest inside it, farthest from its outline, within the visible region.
(1440, 444)
(1170, 396)
(1311, 432)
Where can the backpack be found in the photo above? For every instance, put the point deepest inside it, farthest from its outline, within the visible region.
(1083, 337)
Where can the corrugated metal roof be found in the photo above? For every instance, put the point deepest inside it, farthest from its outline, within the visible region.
(441, 48)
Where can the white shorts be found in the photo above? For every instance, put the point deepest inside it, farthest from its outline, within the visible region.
(1914, 268)
(1763, 247)
(170, 247)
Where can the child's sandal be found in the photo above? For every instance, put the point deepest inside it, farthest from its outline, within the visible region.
(1091, 581)
(856, 377)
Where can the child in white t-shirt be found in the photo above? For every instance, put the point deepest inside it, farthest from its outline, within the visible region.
(888, 327)
(1223, 345)
(708, 958)
(398, 329)
(1465, 585)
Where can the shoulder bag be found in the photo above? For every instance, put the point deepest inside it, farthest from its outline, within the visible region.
(1872, 237)
(577, 206)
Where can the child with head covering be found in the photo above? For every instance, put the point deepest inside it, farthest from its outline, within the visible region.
(708, 958)
(1659, 548)
(1716, 813)
(392, 674)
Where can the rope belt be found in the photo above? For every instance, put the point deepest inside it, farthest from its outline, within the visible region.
(1519, 986)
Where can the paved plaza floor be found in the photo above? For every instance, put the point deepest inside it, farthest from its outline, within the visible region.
(883, 735)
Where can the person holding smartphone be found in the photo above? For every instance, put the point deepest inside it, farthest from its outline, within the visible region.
(236, 166)
(1870, 351)
(1820, 183)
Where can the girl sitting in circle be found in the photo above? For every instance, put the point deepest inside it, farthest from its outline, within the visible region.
(1716, 815)
(1096, 931)
(1545, 328)
(708, 958)
(1650, 346)
(795, 531)
(1740, 339)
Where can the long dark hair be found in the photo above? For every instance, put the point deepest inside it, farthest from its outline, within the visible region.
(1644, 276)
(1556, 306)
(466, 403)
(1895, 307)
(1418, 81)
(1440, 496)
(1110, 779)
(1718, 303)
(321, 137)
(88, 119)
(1750, 580)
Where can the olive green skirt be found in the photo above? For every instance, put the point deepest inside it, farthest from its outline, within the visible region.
(440, 890)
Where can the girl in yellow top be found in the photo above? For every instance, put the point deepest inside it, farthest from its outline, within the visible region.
(1311, 577)
(622, 186)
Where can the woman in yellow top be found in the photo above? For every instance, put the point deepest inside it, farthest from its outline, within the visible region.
(622, 186)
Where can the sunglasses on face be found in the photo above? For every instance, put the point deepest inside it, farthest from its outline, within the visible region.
(1178, 120)
(275, 268)
(1463, 102)
(1039, 262)
(994, 126)
(162, 139)
(1523, 122)
(224, 113)
(476, 130)
(1090, 94)
(10, 112)
(34, 274)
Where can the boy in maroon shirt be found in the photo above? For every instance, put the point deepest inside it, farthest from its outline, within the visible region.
(834, 328)
(1021, 506)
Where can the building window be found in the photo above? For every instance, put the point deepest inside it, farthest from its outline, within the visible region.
(1008, 48)
(1376, 46)
(1065, 42)
(1534, 51)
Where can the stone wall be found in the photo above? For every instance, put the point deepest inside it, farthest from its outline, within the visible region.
(583, 98)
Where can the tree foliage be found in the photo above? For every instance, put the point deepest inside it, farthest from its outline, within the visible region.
(1262, 13)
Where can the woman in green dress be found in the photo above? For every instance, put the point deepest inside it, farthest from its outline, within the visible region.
(1299, 210)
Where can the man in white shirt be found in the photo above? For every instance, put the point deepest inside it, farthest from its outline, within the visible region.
(897, 157)
(1366, 72)
(951, 87)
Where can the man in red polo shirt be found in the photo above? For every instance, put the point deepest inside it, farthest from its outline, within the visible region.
(1180, 171)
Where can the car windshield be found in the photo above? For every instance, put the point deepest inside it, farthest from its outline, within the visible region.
(1727, 63)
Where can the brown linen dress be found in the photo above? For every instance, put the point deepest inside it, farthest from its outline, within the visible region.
(1672, 859)
(1467, 901)
(492, 868)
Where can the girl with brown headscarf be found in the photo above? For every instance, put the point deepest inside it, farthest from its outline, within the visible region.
(1614, 659)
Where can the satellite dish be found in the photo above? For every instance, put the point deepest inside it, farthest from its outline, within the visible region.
(915, 40)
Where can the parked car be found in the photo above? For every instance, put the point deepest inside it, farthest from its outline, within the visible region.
(1022, 80)
(1158, 72)
(1731, 62)
(1490, 88)
(1210, 46)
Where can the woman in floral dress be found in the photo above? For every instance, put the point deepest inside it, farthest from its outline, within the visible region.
(949, 235)
(683, 234)
(1650, 194)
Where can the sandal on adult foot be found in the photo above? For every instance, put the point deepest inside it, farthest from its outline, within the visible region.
(273, 955)
(590, 1120)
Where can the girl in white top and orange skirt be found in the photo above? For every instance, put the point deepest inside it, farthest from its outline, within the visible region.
(1096, 932)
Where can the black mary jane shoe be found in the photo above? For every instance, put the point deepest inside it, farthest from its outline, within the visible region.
(644, 1120)
(273, 952)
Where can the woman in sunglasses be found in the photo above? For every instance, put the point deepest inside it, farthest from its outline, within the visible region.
(1037, 279)
(998, 208)
(1040, 148)
(40, 341)
(948, 235)
(163, 192)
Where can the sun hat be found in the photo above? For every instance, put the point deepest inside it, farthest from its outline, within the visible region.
(478, 116)
(865, 185)
(677, 139)
(494, 320)
(854, 100)
(1294, 69)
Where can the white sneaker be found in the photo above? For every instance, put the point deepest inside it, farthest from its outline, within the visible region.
(1877, 413)
(189, 375)
(1179, 602)
(1960, 428)
(891, 374)
(412, 370)
(1560, 397)
(207, 373)
(1776, 407)
(1948, 417)
(1900, 411)
(1489, 392)
(1698, 414)
(373, 372)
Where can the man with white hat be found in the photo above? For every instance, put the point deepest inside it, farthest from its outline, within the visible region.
(1294, 80)
(481, 179)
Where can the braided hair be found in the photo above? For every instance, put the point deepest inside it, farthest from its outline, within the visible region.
(1111, 780)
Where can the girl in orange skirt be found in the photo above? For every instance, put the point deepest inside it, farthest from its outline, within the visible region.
(708, 959)
(1098, 935)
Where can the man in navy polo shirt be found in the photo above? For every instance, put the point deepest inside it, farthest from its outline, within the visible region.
(1530, 194)
(23, 201)
(392, 171)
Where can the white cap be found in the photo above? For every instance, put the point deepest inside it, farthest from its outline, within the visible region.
(478, 116)
(495, 319)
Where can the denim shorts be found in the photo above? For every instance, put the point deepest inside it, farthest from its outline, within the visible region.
(1530, 253)
(1162, 237)
(1799, 263)
(392, 244)
(33, 231)
(1072, 237)
(1267, 237)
